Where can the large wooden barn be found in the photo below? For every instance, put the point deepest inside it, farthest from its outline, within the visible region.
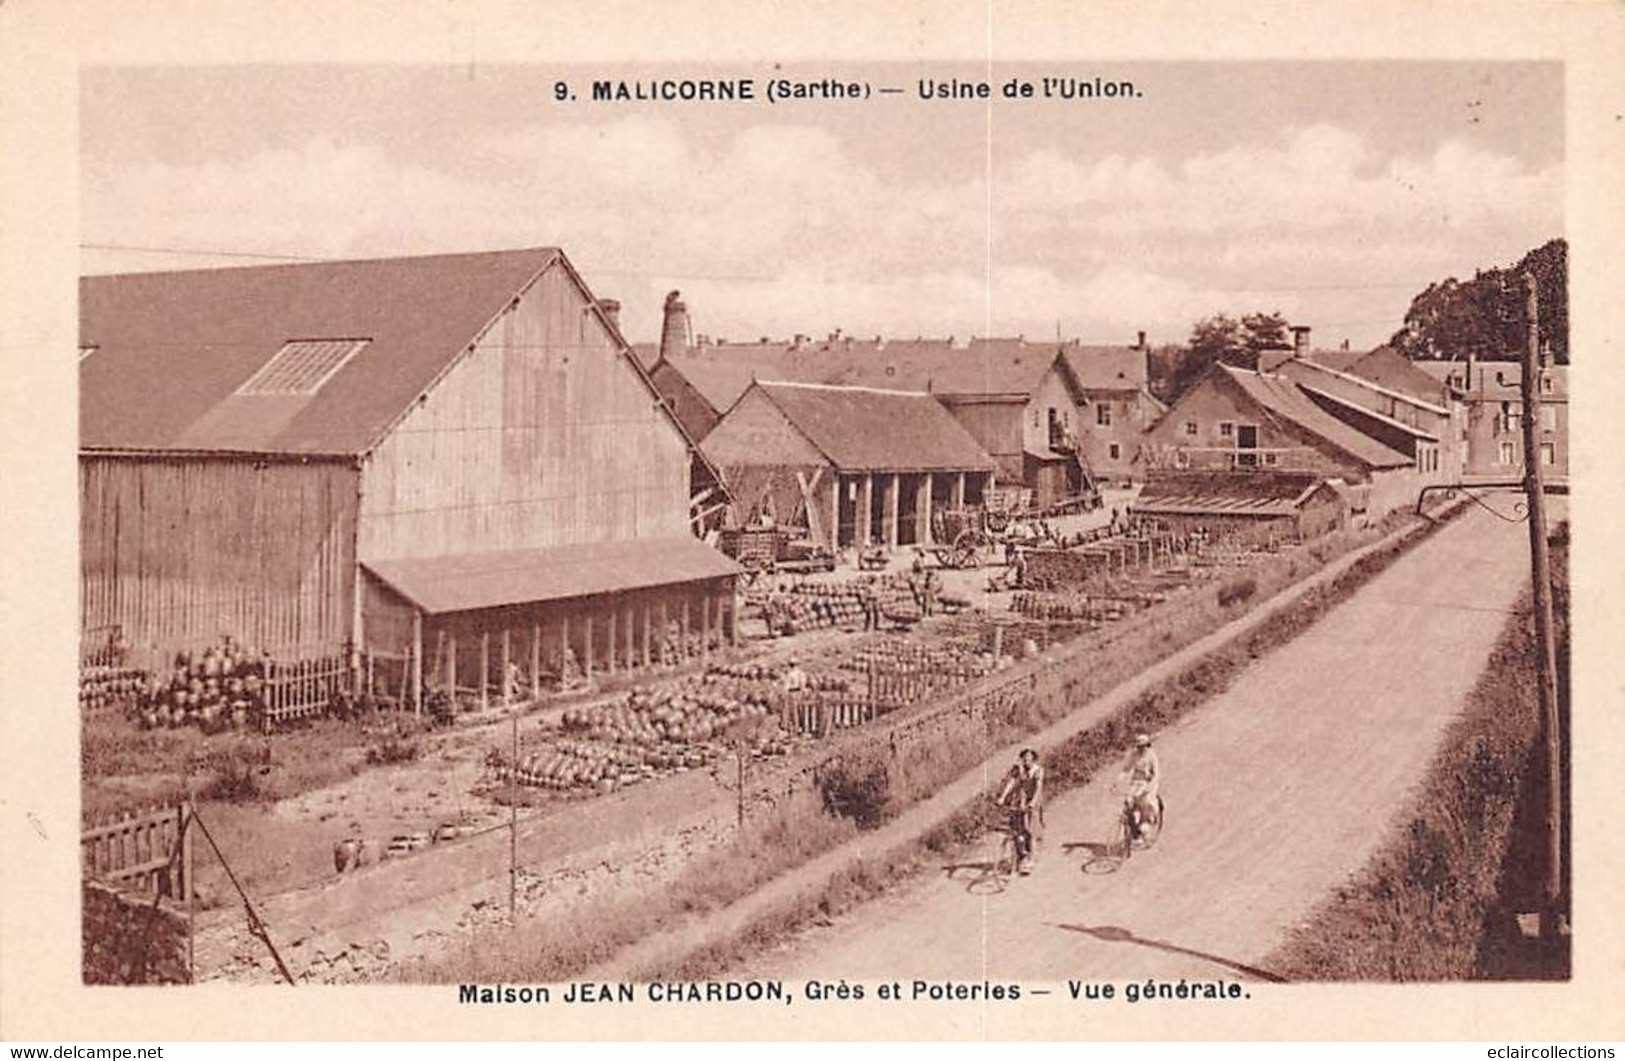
(433, 462)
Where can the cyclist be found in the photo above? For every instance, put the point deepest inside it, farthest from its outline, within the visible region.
(1023, 789)
(1143, 774)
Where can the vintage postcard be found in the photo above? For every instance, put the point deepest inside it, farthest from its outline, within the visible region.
(975, 522)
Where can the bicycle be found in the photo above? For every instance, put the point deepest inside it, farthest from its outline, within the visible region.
(1147, 833)
(1009, 858)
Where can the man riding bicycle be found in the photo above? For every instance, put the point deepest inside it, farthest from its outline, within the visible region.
(1023, 789)
(1143, 774)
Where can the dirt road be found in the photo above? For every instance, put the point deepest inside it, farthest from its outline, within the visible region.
(1277, 791)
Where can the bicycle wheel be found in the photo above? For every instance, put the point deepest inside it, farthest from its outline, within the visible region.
(1151, 831)
(1007, 854)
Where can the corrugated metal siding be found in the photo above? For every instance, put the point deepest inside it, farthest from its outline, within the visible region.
(543, 436)
(179, 551)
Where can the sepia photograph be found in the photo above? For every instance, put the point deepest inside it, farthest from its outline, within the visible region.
(609, 542)
(1046, 536)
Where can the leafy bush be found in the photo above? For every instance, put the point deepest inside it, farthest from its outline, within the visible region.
(1237, 590)
(394, 749)
(855, 790)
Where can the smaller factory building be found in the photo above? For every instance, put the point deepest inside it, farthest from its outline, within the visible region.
(852, 465)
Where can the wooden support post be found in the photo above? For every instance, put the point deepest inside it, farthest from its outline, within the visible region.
(629, 613)
(959, 490)
(665, 623)
(507, 664)
(417, 661)
(451, 665)
(894, 487)
(564, 642)
(922, 509)
(648, 627)
(705, 630)
(610, 623)
(834, 512)
(536, 660)
(586, 645)
(733, 612)
(485, 669)
(682, 652)
(866, 511)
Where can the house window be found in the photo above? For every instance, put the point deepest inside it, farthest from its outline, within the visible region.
(1057, 433)
(1182, 459)
(1270, 458)
(1115, 451)
(1507, 453)
(1103, 414)
(1548, 453)
(1190, 428)
(302, 366)
(1548, 417)
(1226, 429)
(1546, 384)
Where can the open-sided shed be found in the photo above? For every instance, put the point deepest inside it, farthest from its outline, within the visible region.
(857, 464)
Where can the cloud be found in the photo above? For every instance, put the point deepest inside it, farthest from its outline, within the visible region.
(773, 229)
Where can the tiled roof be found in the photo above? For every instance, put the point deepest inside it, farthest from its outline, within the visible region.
(866, 429)
(979, 366)
(1286, 399)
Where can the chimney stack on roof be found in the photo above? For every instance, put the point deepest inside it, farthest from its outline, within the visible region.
(1139, 342)
(611, 308)
(1300, 340)
(674, 327)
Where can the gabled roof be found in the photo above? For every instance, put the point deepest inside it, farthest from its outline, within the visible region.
(1304, 370)
(1114, 368)
(1325, 397)
(1392, 369)
(867, 429)
(1285, 399)
(174, 347)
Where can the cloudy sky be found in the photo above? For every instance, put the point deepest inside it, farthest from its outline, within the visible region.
(1329, 191)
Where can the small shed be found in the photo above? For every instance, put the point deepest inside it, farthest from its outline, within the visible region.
(1243, 508)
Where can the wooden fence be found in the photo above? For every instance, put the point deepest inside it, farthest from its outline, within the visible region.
(303, 687)
(149, 850)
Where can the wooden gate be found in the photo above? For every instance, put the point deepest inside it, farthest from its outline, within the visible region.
(151, 850)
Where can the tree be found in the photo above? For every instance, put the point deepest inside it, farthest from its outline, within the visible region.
(1485, 317)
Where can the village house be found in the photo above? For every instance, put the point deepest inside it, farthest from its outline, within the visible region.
(1492, 394)
(438, 465)
(852, 465)
(1246, 421)
(1382, 394)
(1052, 429)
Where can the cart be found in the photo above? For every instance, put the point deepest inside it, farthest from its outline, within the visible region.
(961, 536)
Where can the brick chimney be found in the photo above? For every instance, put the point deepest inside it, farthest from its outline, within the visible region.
(1139, 342)
(674, 327)
(612, 310)
(1300, 340)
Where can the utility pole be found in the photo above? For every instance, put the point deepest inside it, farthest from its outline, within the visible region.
(1546, 660)
(513, 824)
